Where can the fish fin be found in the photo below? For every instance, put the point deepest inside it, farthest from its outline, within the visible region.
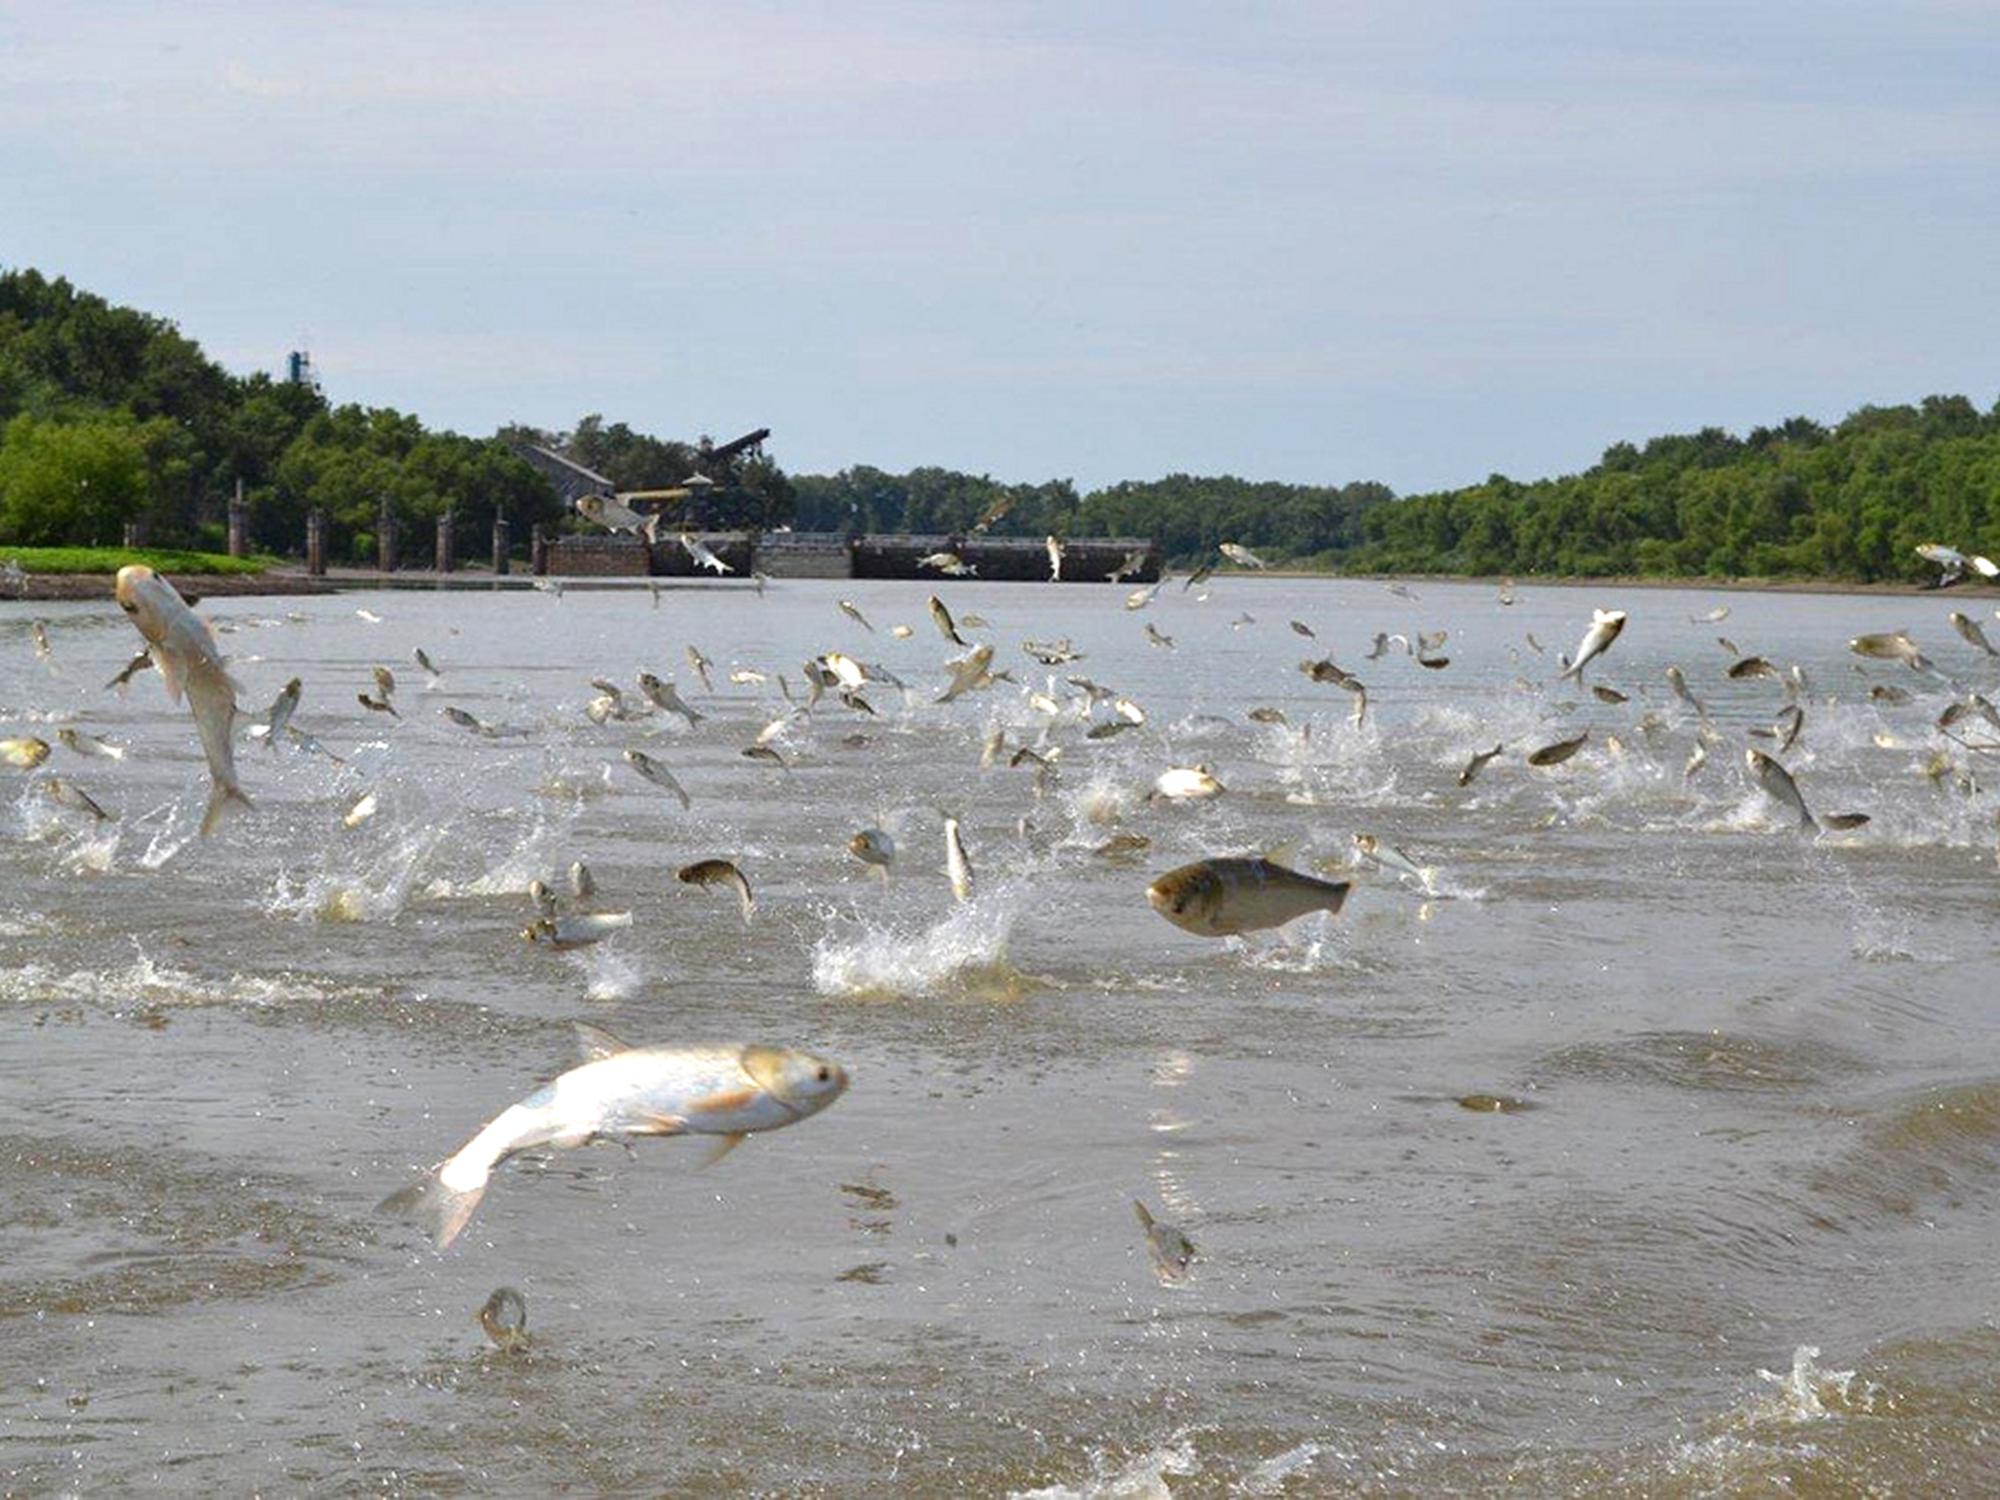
(219, 798)
(1145, 1214)
(722, 1148)
(441, 1212)
(170, 673)
(594, 1043)
(1336, 894)
(1285, 855)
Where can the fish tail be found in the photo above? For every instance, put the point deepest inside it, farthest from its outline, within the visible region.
(1336, 895)
(440, 1211)
(1807, 822)
(219, 798)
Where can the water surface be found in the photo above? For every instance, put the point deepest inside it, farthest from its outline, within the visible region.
(1758, 1077)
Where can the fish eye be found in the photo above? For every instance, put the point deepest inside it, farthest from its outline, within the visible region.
(825, 1073)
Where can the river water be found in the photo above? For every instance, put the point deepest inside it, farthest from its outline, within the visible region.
(1753, 1079)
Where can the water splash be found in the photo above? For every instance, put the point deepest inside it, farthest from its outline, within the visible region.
(608, 973)
(1141, 1478)
(359, 882)
(1804, 1392)
(530, 858)
(147, 982)
(965, 953)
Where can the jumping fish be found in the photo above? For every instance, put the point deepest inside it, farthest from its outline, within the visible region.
(80, 743)
(361, 812)
(1133, 562)
(701, 664)
(1187, 784)
(1140, 598)
(1605, 624)
(1388, 857)
(941, 617)
(957, 867)
(25, 752)
(1170, 1251)
(1889, 645)
(1678, 682)
(1227, 897)
(1560, 751)
(1055, 547)
(973, 670)
(1751, 666)
(1476, 763)
(565, 933)
(1605, 694)
(504, 1317)
(1779, 787)
(948, 563)
(720, 872)
(1052, 653)
(1153, 635)
(582, 884)
(623, 1093)
(282, 708)
(44, 653)
(853, 612)
(130, 670)
(1968, 627)
(699, 551)
(423, 659)
(663, 693)
(658, 774)
(1241, 555)
(68, 794)
(185, 653)
(614, 515)
(874, 847)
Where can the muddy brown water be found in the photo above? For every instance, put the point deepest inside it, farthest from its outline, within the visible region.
(1753, 1080)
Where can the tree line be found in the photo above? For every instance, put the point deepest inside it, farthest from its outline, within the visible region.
(109, 415)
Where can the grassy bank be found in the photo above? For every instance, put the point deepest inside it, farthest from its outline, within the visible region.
(111, 559)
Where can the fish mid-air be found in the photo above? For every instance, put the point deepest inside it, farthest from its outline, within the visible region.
(1228, 897)
(1777, 784)
(874, 847)
(622, 1093)
(1055, 546)
(1605, 624)
(184, 651)
(698, 551)
(1242, 556)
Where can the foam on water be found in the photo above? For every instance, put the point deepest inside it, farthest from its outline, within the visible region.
(608, 972)
(530, 858)
(146, 982)
(1143, 1477)
(965, 953)
(360, 881)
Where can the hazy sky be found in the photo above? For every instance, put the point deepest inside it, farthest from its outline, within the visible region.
(1406, 241)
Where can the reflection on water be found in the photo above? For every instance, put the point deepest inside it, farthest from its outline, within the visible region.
(1511, 1185)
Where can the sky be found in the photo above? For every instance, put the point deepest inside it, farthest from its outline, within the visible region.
(1406, 241)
